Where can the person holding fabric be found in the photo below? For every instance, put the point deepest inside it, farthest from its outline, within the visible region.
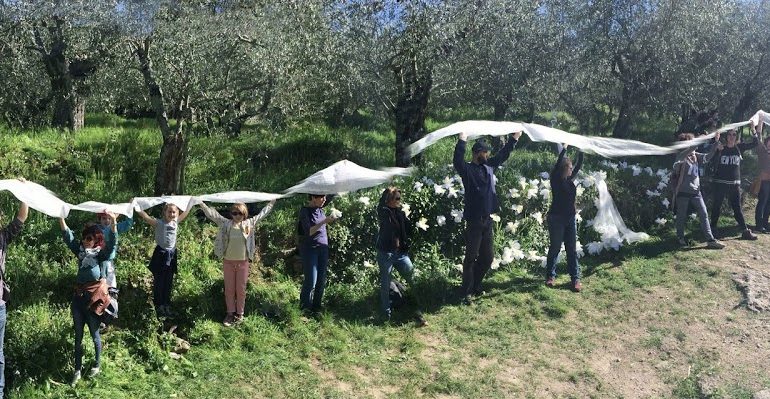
(235, 246)
(481, 201)
(393, 247)
(163, 263)
(91, 296)
(727, 180)
(562, 226)
(7, 234)
(762, 213)
(105, 223)
(314, 250)
(687, 191)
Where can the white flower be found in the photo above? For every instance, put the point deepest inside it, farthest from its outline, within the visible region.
(544, 175)
(368, 265)
(447, 182)
(451, 192)
(589, 181)
(665, 202)
(595, 248)
(538, 217)
(653, 193)
(457, 215)
(579, 190)
(405, 207)
(427, 181)
(495, 264)
(459, 267)
(661, 172)
(418, 186)
(364, 200)
(516, 251)
(422, 224)
(693, 216)
(612, 165)
(661, 221)
(495, 217)
(578, 217)
(612, 242)
(545, 193)
(662, 185)
(532, 193)
(545, 183)
(517, 208)
(636, 170)
(512, 226)
(579, 250)
(649, 171)
(335, 213)
(439, 189)
(532, 255)
(440, 220)
(622, 164)
(522, 183)
(507, 256)
(513, 193)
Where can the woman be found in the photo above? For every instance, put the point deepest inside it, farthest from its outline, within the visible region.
(314, 250)
(727, 180)
(562, 227)
(687, 192)
(392, 247)
(762, 213)
(91, 296)
(235, 246)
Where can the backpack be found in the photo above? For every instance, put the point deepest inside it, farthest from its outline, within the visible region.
(397, 294)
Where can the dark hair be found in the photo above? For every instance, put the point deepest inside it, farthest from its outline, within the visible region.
(388, 194)
(311, 196)
(95, 232)
(685, 136)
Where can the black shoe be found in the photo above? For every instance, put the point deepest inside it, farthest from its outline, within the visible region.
(478, 292)
(419, 320)
(762, 230)
(748, 235)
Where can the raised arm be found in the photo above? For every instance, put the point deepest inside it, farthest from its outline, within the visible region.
(264, 212)
(110, 241)
(212, 214)
(125, 225)
(184, 214)
(754, 142)
(578, 165)
(559, 160)
(505, 152)
(69, 237)
(458, 160)
(150, 220)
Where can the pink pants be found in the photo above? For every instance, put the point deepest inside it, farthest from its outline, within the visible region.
(236, 274)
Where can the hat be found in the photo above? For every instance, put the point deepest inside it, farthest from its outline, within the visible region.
(480, 146)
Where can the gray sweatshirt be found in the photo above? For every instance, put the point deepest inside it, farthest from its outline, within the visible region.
(687, 166)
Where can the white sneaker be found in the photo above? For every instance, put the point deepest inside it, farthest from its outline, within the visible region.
(75, 378)
(94, 372)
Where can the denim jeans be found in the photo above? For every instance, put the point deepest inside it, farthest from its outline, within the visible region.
(682, 204)
(733, 193)
(315, 261)
(2, 353)
(562, 229)
(82, 315)
(762, 213)
(386, 261)
(478, 253)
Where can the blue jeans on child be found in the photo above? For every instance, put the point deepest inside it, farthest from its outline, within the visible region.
(386, 261)
(315, 261)
(82, 315)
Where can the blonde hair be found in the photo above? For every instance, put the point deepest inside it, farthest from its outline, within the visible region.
(240, 207)
(168, 205)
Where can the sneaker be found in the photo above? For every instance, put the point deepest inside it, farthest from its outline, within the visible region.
(576, 286)
(763, 230)
(714, 244)
(229, 319)
(94, 372)
(550, 282)
(748, 235)
(419, 320)
(75, 378)
(238, 319)
(467, 300)
(478, 292)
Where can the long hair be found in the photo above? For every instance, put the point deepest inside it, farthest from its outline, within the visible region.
(389, 194)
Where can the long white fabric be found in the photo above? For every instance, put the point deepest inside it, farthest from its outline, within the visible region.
(345, 176)
(605, 146)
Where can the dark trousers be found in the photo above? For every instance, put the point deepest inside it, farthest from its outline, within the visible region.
(315, 261)
(163, 281)
(562, 229)
(2, 354)
(82, 315)
(762, 213)
(478, 253)
(733, 194)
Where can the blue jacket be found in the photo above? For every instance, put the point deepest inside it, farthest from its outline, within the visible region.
(123, 227)
(479, 181)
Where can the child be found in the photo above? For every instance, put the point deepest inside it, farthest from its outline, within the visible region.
(163, 263)
(105, 223)
(91, 295)
(235, 246)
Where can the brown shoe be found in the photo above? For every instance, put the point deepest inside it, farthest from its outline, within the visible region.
(576, 286)
(238, 319)
(229, 319)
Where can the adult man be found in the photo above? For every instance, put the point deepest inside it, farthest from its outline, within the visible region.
(480, 201)
(6, 235)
